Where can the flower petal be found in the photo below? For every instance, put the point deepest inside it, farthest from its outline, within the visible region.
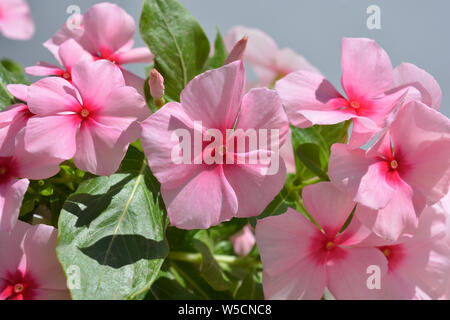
(12, 192)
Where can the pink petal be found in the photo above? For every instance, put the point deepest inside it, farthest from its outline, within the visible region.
(215, 96)
(254, 189)
(108, 27)
(19, 91)
(158, 144)
(426, 157)
(203, 201)
(134, 81)
(45, 294)
(100, 148)
(366, 68)
(261, 109)
(42, 69)
(396, 217)
(12, 120)
(52, 95)
(328, 206)
(10, 247)
(136, 55)
(287, 153)
(16, 21)
(308, 95)
(71, 52)
(347, 278)
(41, 133)
(12, 192)
(39, 247)
(288, 61)
(422, 86)
(96, 81)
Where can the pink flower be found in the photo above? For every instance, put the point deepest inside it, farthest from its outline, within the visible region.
(91, 119)
(29, 269)
(300, 259)
(106, 32)
(15, 19)
(367, 74)
(418, 263)
(200, 195)
(267, 60)
(14, 170)
(238, 50)
(243, 241)
(405, 170)
(69, 53)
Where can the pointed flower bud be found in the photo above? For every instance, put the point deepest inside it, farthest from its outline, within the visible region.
(238, 50)
(156, 84)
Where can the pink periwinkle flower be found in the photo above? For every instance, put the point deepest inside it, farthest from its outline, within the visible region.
(29, 268)
(106, 32)
(367, 75)
(15, 170)
(69, 53)
(243, 241)
(200, 193)
(92, 119)
(15, 19)
(405, 170)
(301, 258)
(268, 61)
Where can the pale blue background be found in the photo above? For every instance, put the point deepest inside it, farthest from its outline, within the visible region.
(415, 31)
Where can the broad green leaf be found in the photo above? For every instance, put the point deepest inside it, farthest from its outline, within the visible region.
(10, 73)
(250, 288)
(309, 154)
(112, 229)
(180, 45)
(220, 53)
(166, 287)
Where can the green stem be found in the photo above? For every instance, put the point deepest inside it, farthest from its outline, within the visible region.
(220, 258)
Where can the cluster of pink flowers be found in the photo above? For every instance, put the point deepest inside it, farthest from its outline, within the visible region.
(395, 192)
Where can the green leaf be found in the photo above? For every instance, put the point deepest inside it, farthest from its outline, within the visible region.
(10, 73)
(220, 53)
(112, 229)
(250, 288)
(180, 45)
(210, 269)
(309, 154)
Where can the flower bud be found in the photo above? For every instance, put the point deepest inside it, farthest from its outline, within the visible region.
(238, 50)
(156, 84)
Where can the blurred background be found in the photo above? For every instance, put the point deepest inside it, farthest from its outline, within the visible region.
(415, 31)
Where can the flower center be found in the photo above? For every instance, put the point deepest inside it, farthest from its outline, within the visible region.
(84, 113)
(394, 164)
(355, 105)
(387, 252)
(19, 288)
(66, 75)
(2, 170)
(330, 245)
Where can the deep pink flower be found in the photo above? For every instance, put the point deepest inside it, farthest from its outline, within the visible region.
(69, 53)
(300, 259)
(243, 241)
(418, 263)
(262, 53)
(106, 32)
(405, 170)
(29, 269)
(15, 19)
(201, 195)
(91, 119)
(367, 74)
(15, 170)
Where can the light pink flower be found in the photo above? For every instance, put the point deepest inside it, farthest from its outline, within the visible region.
(69, 53)
(203, 195)
(106, 32)
(15, 170)
(405, 170)
(91, 119)
(262, 53)
(300, 259)
(367, 74)
(418, 263)
(15, 19)
(156, 84)
(243, 241)
(29, 269)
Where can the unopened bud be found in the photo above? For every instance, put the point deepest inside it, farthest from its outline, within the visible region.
(238, 51)
(156, 84)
